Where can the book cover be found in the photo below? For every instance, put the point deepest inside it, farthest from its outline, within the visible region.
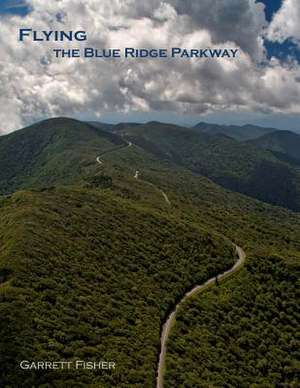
(149, 193)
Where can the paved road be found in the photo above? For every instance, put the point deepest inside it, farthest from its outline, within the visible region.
(171, 319)
(209, 283)
(166, 198)
(129, 144)
(99, 160)
(137, 173)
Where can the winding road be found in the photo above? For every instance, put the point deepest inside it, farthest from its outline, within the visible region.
(166, 198)
(197, 289)
(137, 172)
(129, 144)
(172, 317)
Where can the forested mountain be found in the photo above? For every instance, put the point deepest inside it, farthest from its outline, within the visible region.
(52, 151)
(234, 165)
(63, 151)
(95, 282)
(244, 132)
(93, 258)
(243, 334)
(285, 145)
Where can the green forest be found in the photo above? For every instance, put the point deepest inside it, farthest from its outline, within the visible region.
(86, 275)
(93, 260)
(242, 334)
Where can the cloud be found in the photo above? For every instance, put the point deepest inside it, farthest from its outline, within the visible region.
(228, 20)
(285, 24)
(36, 85)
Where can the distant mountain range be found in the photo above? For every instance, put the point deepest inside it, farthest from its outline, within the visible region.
(244, 132)
(63, 150)
(238, 166)
(284, 144)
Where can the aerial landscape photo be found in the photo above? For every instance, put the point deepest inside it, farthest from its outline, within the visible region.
(150, 206)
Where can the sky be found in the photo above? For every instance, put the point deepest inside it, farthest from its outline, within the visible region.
(261, 86)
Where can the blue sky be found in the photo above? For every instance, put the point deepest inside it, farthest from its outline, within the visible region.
(17, 7)
(272, 6)
(282, 51)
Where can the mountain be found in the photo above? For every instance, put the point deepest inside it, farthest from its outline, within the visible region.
(94, 258)
(239, 323)
(234, 165)
(241, 133)
(64, 150)
(284, 144)
(52, 151)
(86, 274)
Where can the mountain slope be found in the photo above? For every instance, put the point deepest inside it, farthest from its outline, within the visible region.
(238, 331)
(52, 151)
(92, 270)
(284, 144)
(64, 151)
(94, 283)
(234, 165)
(241, 133)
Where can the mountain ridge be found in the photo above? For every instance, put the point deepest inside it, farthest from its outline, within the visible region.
(235, 165)
(64, 150)
(281, 143)
(238, 132)
(93, 260)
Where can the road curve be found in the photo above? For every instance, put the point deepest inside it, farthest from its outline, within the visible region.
(137, 173)
(166, 198)
(98, 160)
(171, 319)
(209, 283)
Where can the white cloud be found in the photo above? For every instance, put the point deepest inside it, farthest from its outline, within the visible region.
(285, 23)
(35, 85)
